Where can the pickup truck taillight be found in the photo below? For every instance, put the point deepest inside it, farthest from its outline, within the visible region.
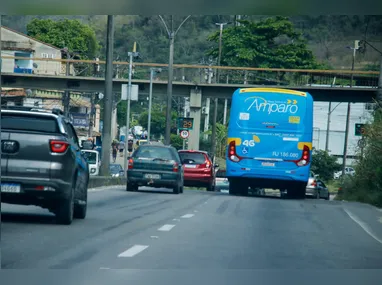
(58, 146)
(130, 164)
(175, 167)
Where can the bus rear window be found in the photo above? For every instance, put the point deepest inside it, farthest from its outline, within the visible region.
(29, 123)
(269, 111)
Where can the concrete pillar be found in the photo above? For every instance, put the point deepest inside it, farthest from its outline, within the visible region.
(195, 113)
(207, 118)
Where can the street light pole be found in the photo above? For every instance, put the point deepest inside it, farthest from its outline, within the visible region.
(131, 55)
(213, 135)
(348, 113)
(171, 36)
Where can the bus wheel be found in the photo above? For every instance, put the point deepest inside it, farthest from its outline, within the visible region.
(233, 186)
(301, 191)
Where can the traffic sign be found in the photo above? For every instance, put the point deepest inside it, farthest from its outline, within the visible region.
(359, 130)
(185, 123)
(184, 134)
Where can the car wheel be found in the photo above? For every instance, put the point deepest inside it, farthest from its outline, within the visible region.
(65, 210)
(176, 189)
(80, 209)
(131, 187)
(210, 188)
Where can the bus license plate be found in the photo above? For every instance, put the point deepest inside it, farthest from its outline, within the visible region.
(271, 164)
(152, 176)
(10, 188)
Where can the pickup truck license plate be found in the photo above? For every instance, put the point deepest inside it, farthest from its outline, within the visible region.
(152, 176)
(10, 188)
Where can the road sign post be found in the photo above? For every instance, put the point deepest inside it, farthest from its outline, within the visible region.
(184, 134)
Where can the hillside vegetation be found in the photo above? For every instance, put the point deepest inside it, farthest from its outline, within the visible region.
(327, 36)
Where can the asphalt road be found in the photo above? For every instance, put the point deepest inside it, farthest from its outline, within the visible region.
(194, 231)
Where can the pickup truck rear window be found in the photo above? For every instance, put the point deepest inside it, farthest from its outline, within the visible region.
(29, 123)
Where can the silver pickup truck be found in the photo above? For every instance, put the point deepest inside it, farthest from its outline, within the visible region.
(42, 164)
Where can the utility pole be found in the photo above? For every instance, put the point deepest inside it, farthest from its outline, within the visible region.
(171, 36)
(108, 99)
(92, 113)
(67, 93)
(348, 112)
(131, 55)
(184, 115)
(379, 90)
(225, 111)
(328, 127)
(213, 136)
(169, 86)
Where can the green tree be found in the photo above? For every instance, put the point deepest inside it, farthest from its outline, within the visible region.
(366, 185)
(269, 43)
(158, 120)
(73, 34)
(221, 139)
(324, 164)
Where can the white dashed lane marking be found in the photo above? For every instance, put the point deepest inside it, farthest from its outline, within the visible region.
(166, 228)
(363, 225)
(187, 216)
(134, 250)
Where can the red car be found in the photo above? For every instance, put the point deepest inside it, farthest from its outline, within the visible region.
(199, 170)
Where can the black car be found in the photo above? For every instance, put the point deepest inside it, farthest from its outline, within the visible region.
(42, 164)
(155, 166)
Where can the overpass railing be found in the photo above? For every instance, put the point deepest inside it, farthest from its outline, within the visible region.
(201, 74)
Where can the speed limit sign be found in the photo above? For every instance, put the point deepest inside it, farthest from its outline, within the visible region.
(184, 134)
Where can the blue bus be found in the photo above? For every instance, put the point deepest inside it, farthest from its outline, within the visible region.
(269, 140)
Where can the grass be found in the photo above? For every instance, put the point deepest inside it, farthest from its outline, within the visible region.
(333, 186)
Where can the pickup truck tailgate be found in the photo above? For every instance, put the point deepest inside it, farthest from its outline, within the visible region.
(27, 146)
(33, 157)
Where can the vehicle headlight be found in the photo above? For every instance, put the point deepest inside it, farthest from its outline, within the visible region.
(92, 170)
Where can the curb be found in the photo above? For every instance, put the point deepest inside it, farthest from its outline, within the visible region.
(103, 188)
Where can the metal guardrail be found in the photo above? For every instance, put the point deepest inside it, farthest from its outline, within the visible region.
(200, 73)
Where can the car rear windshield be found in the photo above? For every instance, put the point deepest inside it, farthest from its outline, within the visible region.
(154, 152)
(192, 157)
(29, 123)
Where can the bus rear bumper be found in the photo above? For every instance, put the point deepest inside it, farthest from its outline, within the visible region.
(279, 180)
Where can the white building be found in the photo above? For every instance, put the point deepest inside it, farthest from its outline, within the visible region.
(359, 113)
(16, 44)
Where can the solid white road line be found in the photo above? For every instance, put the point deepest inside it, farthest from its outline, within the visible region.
(364, 226)
(166, 228)
(134, 250)
(187, 216)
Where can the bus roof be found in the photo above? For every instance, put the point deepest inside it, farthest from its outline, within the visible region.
(273, 90)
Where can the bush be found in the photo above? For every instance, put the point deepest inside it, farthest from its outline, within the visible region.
(366, 185)
(176, 141)
(324, 164)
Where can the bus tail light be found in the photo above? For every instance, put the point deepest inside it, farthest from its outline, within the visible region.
(232, 155)
(305, 158)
